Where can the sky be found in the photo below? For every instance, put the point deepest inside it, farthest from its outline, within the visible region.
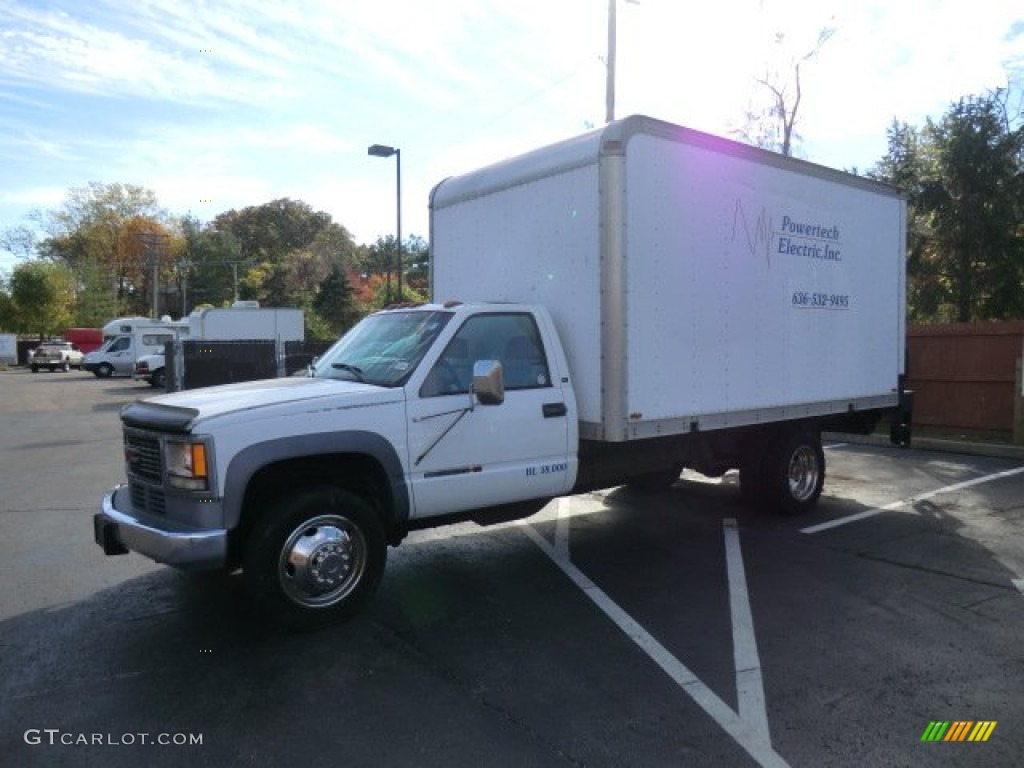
(220, 104)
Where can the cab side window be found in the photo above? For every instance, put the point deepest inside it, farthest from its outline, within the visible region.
(511, 338)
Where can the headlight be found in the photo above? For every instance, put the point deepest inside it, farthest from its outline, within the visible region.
(186, 465)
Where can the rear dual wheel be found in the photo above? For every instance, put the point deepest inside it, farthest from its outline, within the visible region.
(785, 473)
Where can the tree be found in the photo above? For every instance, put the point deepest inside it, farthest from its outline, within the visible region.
(41, 298)
(416, 258)
(964, 178)
(95, 233)
(771, 118)
(334, 301)
(20, 241)
(207, 263)
(381, 260)
(8, 319)
(289, 249)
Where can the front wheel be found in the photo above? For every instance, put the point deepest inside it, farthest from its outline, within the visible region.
(314, 557)
(104, 370)
(158, 380)
(796, 473)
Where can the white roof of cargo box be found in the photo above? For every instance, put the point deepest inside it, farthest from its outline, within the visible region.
(612, 139)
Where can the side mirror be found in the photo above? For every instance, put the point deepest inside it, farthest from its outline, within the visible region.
(488, 382)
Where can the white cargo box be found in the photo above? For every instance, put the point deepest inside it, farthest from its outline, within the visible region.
(248, 323)
(696, 283)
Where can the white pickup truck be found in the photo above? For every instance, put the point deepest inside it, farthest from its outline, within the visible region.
(56, 355)
(641, 299)
(151, 369)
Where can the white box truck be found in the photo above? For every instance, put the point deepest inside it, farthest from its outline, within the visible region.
(610, 309)
(243, 321)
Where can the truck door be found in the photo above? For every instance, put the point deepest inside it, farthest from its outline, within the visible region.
(464, 455)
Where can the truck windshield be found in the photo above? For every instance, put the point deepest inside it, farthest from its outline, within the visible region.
(384, 348)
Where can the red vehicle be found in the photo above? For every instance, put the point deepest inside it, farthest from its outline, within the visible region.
(86, 339)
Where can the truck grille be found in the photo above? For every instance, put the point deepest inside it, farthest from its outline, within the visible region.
(147, 499)
(143, 456)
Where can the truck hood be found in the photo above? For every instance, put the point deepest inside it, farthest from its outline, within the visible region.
(181, 411)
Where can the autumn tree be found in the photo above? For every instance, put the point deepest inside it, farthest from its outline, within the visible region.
(381, 259)
(288, 248)
(96, 233)
(416, 265)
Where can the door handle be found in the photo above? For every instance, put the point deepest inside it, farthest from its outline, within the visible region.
(554, 410)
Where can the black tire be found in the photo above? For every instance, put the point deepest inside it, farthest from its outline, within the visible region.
(314, 557)
(654, 482)
(104, 370)
(795, 473)
(158, 379)
(34, 368)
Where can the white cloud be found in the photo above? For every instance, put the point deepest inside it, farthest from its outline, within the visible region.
(241, 102)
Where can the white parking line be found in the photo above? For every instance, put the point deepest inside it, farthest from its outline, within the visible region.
(909, 502)
(749, 685)
(749, 728)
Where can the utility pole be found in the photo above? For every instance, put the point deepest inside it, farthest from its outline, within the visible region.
(609, 88)
(154, 244)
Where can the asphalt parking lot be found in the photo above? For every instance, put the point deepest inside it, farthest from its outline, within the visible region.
(612, 629)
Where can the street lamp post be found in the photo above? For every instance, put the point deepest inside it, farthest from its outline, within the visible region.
(380, 150)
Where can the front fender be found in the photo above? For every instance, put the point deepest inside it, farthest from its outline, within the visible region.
(252, 459)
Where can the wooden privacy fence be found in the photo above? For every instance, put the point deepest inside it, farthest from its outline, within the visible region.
(968, 376)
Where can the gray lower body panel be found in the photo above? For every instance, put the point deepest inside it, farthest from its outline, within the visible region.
(117, 529)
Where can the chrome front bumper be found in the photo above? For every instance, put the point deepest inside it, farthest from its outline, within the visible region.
(119, 532)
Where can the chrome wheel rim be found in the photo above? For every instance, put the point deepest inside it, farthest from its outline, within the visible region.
(803, 473)
(322, 561)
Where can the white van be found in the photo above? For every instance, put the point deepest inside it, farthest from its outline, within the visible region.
(126, 340)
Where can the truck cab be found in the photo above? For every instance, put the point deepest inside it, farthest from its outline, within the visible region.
(416, 416)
